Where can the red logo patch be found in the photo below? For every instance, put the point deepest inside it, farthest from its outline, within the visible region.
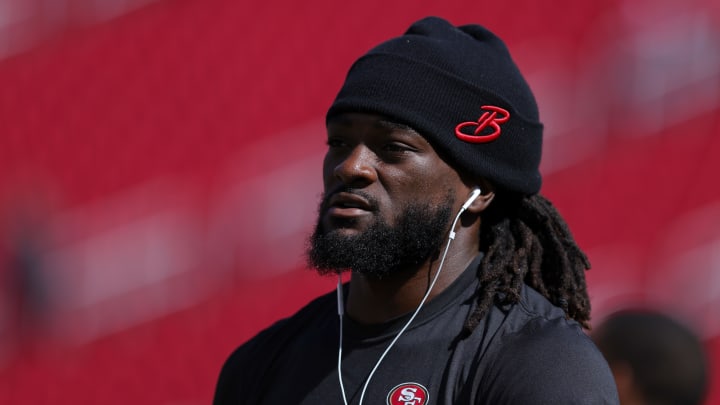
(408, 394)
(491, 118)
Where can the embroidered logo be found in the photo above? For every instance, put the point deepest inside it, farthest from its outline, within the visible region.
(408, 394)
(479, 131)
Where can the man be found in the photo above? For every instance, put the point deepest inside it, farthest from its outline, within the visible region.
(655, 359)
(467, 287)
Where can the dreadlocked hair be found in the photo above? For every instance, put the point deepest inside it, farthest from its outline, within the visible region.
(526, 241)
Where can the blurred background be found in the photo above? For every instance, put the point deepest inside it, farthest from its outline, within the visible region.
(160, 171)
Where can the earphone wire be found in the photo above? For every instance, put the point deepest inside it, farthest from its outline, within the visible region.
(341, 310)
(451, 237)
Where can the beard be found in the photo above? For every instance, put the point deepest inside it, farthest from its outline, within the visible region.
(382, 249)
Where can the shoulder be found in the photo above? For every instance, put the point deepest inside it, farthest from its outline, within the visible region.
(548, 359)
(318, 310)
(247, 364)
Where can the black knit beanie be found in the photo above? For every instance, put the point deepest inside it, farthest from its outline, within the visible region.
(459, 88)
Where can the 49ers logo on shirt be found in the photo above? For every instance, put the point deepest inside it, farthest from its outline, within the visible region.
(408, 394)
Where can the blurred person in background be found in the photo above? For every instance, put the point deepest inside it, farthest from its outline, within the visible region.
(656, 360)
(24, 280)
(433, 138)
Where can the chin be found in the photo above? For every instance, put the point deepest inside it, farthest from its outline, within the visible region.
(350, 225)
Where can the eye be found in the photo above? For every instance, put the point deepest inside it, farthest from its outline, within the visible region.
(397, 147)
(335, 142)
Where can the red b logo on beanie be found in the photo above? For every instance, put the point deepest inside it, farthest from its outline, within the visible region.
(491, 118)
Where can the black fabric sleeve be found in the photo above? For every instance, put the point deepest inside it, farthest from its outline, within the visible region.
(241, 379)
(226, 390)
(249, 372)
(549, 362)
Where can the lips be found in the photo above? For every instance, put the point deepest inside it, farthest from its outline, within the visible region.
(346, 204)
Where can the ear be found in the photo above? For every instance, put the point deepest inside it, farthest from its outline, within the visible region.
(487, 194)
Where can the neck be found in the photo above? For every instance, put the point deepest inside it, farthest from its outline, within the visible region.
(372, 300)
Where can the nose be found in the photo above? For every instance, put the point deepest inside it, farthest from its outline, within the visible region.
(356, 168)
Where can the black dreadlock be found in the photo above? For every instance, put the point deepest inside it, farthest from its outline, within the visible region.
(525, 240)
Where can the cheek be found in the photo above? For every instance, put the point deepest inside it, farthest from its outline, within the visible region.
(421, 190)
(431, 185)
(438, 188)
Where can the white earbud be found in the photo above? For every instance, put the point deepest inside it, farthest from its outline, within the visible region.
(475, 193)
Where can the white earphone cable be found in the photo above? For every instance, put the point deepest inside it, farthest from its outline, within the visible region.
(341, 310)
(451, 237)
